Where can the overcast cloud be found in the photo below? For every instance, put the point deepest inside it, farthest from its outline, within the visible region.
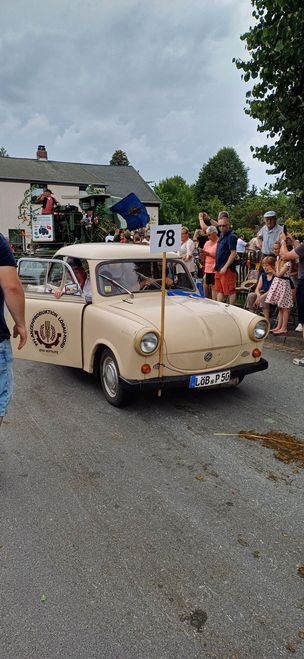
(151, 77)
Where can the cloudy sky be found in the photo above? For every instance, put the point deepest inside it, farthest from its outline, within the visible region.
(151, 77)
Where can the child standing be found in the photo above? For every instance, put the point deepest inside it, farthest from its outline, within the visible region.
(280, 293)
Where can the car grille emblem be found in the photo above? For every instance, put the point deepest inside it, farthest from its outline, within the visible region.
(208, 356)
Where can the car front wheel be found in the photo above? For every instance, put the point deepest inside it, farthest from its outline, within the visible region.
(109, 378)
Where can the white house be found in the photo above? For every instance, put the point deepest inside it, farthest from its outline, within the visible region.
(68, 181)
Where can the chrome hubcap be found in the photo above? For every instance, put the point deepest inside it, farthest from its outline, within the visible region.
(110, 377)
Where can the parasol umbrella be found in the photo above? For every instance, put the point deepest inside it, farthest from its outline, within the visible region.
(132, 210)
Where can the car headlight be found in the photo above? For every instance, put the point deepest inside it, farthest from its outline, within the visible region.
(146, 343)
(258, 330)
(149, 343)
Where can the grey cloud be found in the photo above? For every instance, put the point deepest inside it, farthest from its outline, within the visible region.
(154, 79)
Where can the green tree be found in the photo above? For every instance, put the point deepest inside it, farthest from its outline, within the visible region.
(119, 158)
(276, 99)
(3, 152)
(249, 212)
(213, 206)
(179, 205)
(224, 176)
(105, 223)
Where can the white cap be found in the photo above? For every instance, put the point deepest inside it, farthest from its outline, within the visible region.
(270, 214)
(211, 229)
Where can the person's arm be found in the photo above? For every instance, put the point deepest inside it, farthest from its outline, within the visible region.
(206, 253)
(285, 254)
(281, 271)
(259, 238)
(229, 261)
(190, 250)
(232, 256)
(201, 221)
(58, 293)
(258, 290)
(14, 300)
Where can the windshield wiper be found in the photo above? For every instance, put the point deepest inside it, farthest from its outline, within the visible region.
(123, 288)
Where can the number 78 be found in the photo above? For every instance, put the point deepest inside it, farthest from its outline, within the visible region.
(167, 237)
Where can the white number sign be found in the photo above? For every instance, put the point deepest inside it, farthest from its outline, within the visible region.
(165, 238)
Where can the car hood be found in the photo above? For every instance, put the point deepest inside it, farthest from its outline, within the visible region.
(192, 325)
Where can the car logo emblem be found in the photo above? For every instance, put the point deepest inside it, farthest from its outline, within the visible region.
(208, 356)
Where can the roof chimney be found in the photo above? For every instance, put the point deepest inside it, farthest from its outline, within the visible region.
(41, 152)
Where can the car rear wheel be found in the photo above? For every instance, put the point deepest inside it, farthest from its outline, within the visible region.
(109, 378)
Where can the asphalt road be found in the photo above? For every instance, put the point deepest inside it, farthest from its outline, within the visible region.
(142, 533)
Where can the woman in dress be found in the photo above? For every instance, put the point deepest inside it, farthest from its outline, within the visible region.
(280, 294)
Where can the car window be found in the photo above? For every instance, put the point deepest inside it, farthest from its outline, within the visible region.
(32, 272)
(116, 277)
(45, 276)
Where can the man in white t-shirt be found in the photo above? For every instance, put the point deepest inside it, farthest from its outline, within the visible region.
(240, 246)
(240, 250)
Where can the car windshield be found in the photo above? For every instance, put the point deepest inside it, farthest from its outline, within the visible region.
(117, 277)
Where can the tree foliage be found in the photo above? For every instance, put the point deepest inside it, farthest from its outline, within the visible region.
(250, 211)
(179, 205)
(3, 152)
(212, 206)
(296, 228)
(119, 158)
(105, 223)
(224, 176)
(276, 100)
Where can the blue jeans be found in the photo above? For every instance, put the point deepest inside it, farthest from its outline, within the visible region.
(6, 375)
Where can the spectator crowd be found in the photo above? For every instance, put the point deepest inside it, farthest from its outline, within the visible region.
(277, 259)
(215, 256)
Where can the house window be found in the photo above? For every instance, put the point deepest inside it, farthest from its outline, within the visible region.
(36, 190)
(16, 239)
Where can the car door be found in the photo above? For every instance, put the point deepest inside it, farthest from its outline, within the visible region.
(54, 324)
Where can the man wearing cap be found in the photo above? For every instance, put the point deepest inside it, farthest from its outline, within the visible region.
(48, 202)
(269, 233)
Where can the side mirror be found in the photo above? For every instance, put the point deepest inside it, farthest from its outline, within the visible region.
(72, 289)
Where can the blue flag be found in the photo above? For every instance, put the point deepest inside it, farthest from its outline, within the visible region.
(132, 210)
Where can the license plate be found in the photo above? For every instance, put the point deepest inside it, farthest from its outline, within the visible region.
(209, 379)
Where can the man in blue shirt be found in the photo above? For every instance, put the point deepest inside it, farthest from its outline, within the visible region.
(225, 272)
(11, 292)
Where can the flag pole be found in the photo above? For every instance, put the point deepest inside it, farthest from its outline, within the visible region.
(162, 321)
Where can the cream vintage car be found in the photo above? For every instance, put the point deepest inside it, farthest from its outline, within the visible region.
(111, 325)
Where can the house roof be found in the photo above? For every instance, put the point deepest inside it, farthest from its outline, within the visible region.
(120, 180)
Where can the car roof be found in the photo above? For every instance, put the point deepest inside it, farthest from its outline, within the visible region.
(106, 251)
